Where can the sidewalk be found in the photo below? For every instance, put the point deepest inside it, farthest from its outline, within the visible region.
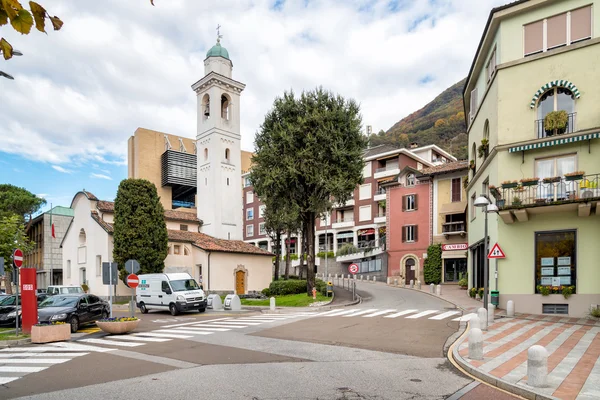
(573, 362)
(454, 294)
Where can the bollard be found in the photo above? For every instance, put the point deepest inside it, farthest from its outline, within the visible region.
(510, 308)
(361, 277)
(438, 290)
(419, 285)
(476, 344)
(412, 284)
(491, 310)
(395, 282)
(272, 304)
(537, 366)
(432, 288)
(335, 276)
(475, 322)
(482, 314)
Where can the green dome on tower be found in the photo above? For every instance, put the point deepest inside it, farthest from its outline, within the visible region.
(218, 51)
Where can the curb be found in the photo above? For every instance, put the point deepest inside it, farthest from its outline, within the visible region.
(14, 343)
(501, 384)
(429, 294)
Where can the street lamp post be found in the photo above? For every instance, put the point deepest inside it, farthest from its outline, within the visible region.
(483, 201)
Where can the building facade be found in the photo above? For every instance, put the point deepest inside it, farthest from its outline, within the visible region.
(533, 126)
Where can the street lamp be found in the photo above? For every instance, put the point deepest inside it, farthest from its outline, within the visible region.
(483, 201)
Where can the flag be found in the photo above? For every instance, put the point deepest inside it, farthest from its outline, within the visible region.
(52, 223)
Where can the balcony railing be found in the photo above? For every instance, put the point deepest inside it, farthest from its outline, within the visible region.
(380, 191)
(453, 227)
(345, 219)
(387, 168)
(543, 133)
(548, 191)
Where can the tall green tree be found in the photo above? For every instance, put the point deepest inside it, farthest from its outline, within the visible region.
(12, 235)
(140, 231)
(309, 154)
(279, 218)
(18, 201)
(432, 270)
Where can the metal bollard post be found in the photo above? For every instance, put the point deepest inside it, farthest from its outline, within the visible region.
(537, 366)
(353, 291)
(412, 284)
(482, 314)
(374, 278)
(272, 304)
(476, 344)
(438, 290)
(419, 285)
(510, 308)
(491, 310)
(475, 322)
(432, 288)
(395, 282)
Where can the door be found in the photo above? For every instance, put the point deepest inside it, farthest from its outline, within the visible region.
(83, 310)
(240, 282)
(95, 306)
(454, 269)
(163, 297)
(410, 268)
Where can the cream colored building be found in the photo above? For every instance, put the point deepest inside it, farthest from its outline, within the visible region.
(537, 57)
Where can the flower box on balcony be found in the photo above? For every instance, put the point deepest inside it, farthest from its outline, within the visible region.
(47, 333)
(509, 184)
(551, 179)
(540, 201)
(530, 181)
(574, 176)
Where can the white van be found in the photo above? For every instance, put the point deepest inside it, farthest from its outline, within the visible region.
(174, 292)
(61, 289)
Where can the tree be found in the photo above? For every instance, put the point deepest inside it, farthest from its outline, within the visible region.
(309, 154)
(12, 235)
(140, 231)
(279, 218)
(22, 20)
(433, 264)
(18, 201)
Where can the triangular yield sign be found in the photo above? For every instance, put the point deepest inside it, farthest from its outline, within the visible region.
(496, 252)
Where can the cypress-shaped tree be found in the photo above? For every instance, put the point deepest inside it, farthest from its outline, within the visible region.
(433, 264)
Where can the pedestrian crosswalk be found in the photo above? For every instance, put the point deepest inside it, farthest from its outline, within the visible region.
(436, 315)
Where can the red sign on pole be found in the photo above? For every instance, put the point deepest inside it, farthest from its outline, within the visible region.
(353, 268)
(496, 252)
(18, 258)
(133, 281)
(28, 298)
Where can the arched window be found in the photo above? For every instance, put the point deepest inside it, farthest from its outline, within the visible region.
(206, 106)
(486, 130)
(556, 99)
(186, 251)
(205, 153)
(82, 237)
(225, 102)
(410, 180)
(227, 155)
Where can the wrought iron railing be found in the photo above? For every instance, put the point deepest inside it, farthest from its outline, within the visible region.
(548, 191)
(380, 191)
(453, 227)
(543, 133)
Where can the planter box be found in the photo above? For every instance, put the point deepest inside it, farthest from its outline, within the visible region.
(573, 177)
(552, 180)
(509, 185)
(50, 333)
(529, 183)
(117, 328)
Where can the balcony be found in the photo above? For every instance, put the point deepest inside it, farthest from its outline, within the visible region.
(454, 228)
(380, 219)
(379, 195)
(365, 249)
(543, 133)
(388, 170)
(347, 222)
(557, 194)
(349, 203)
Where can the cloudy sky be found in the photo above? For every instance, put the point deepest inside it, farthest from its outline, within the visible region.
(116, 65)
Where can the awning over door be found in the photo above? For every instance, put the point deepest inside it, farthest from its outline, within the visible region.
(457, 207)
(454, 254)
(554, 142)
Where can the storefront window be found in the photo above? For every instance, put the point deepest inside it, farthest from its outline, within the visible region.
(555, 260)
(455, 269)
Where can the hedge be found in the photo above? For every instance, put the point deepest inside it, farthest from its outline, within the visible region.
(433, 264)
(292, 286)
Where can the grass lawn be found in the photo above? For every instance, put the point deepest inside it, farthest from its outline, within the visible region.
(291, 300)
(11, 336)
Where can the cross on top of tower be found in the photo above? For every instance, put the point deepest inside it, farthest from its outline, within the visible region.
(219, 36)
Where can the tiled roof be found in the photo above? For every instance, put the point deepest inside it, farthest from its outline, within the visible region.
(210, 243)
(109, 206)
(445, 168)
(89, 195)
(383, 148)
(105, 225)
(106, 206)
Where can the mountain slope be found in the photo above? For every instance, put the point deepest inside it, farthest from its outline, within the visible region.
(440, 122)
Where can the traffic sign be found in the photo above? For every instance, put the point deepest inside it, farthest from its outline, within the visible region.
(18, 258)
(353, 268)
(496, 252)
(132, 266)
(133, 281)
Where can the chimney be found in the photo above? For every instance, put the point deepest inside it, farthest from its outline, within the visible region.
(414, 145)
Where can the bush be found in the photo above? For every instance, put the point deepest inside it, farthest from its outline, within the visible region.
(595, 312)
(346, 249)
(433, 264)
(473, 292)
(321, 254)
(321, 286)
(266, 292)
(291, 286)
(463, 282)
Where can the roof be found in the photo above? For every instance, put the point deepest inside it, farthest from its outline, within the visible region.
(106, 206)
(88, 195)
(60, 210)
(446, 168)
(209, 243)
(105, 225)
(382, 148)
(218, 51)
(109, 206)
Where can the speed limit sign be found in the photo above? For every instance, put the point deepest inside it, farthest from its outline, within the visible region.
(353, 268)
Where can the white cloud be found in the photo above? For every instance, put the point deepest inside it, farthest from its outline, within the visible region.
(81, 92)
(61, 169)
(100, 176)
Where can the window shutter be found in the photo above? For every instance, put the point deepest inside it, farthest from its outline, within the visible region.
(581, 23)
(404, 234)
(416, 230)
(534, 37)
(415, 197)
(403, 203)
(473, 103)
(557, 31)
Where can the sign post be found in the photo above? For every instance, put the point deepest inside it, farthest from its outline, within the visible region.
(132, 267)
(17, 263)
(110, 277)
(132, 281)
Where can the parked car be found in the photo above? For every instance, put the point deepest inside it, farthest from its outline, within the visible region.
(63, 289)
(41, 291)
(9, 311)
(74, 309)
(174, 292)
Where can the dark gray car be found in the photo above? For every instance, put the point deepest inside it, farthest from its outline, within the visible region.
(74, 309)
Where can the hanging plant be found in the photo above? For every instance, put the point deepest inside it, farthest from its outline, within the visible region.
(465, 182)
(483, 148)
(472, 165)
(556, 120)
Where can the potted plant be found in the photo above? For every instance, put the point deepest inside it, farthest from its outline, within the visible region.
(85, 287)
(567, 291)
(574, 176)
(544, 290)
(118, 325)
(551, 179)
(465, 182)
(509, 184)
(50, 332)
(483, 148)
(480, 293)
(530, 181)
(495, 192)
(556, 122)
(463, 282)
(472, 165)
(516, 201)
(540, 201)
(473, 292)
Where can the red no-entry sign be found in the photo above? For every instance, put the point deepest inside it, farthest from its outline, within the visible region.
(133, 281)
(353, 268)
(18, 258)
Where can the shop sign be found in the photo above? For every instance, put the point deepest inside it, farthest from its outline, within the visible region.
(457, 246)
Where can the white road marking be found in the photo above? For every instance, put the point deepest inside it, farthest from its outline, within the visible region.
(80, 347)
(244, 321)
(188, 332)
(112, 342)
(422, 314)
(21, 369)
(195, 322)
(34, 360)
(401, 313)
(162, 335)
(445, 315)
(465, 317)
(379, 313)
(360, 312)
(139, 338)
(34, 349)
(42, 355)
(234, 323)
(339, 312)
(4, 381)
(220, 326)
(191, 328)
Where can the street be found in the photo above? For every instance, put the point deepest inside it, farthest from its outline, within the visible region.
(391, 346)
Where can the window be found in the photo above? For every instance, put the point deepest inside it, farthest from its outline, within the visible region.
(249, 214)
(409, 202)
(364, 213)
(247, 181)
(556, 31)
(186, 251)
(177, 249)
(485, 188)
(225, 107)
(456, 190)
(261, 229)
(261, 211)
(555, 167)
(555, 262)
(169, 250)
(227, 181)
(183, 227)
(364, 192)
(93, 299)
(227, 155)
(165, 286)
(206, 104)
(98, 265)
(367, 172)
(473, 108)
(473, 208)
(410, 180)
(82, 237)
(249, 230)
(409, 233)
(556, 99)
(205, 154)
(68, 268)
(249, 197)
(491, 66)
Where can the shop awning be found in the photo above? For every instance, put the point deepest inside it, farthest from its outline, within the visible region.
(554, 142)
(365, 232)
(458, 207)
(345, 235)
(454, 254)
